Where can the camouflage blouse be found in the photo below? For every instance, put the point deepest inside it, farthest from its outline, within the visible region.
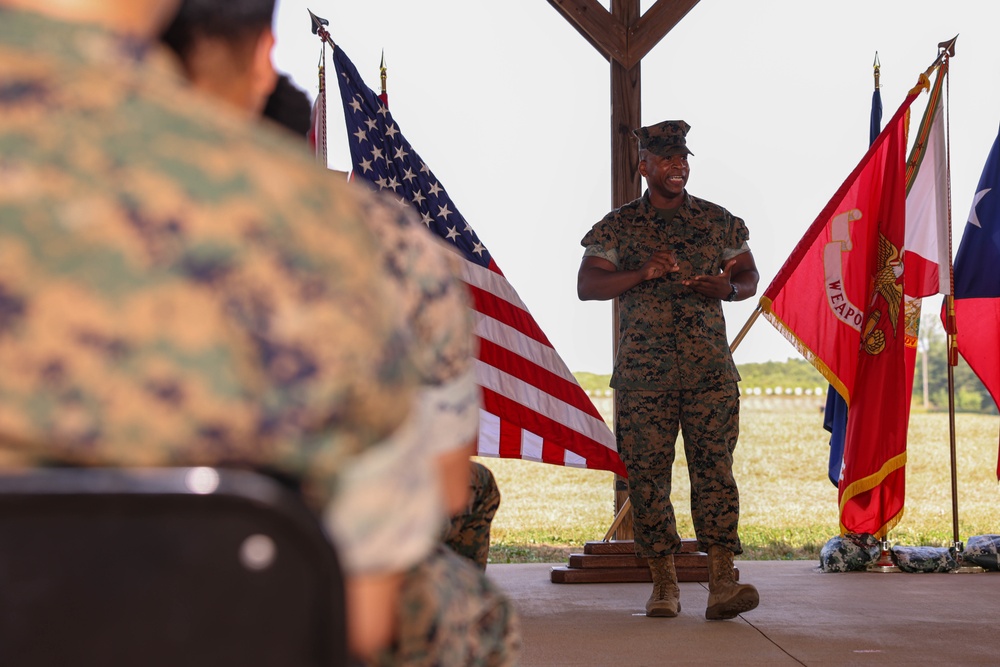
(671, 337)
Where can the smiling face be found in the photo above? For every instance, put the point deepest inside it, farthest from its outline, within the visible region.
(665, 177)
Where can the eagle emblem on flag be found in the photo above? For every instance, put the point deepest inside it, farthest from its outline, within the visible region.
(887, 284)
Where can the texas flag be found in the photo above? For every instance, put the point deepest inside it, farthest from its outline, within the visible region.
(977, 281)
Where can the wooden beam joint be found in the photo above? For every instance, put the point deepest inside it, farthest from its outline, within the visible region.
(624, 43)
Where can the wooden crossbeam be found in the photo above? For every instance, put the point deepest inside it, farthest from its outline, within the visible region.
(623, 39)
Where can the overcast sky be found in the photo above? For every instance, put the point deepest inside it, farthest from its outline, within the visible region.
(509, 106)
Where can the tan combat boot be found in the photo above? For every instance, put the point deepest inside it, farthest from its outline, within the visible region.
(726, 598)
(665, 600)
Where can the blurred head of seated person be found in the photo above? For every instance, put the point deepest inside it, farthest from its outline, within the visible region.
(179, 286)
(225, 49)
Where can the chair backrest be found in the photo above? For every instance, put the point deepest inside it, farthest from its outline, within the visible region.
(175, 566)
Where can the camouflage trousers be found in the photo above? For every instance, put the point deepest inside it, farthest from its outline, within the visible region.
(468, 533)
(646, 429)
(452, 615)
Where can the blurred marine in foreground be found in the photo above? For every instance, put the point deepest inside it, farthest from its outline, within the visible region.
(180, 286)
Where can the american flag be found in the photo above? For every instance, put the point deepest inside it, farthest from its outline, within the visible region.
(533, 407)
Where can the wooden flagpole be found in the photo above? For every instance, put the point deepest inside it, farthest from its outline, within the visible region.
(947, 50)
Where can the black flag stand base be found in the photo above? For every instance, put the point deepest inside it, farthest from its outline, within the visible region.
(884, 562)
(964, 568)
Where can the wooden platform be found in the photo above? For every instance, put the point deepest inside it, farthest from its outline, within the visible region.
(615, 562)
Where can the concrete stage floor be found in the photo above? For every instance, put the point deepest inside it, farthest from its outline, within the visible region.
(805, 617)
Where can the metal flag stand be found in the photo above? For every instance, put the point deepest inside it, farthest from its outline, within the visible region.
(947, 50)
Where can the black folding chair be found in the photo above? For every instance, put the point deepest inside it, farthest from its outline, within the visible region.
(174, 566)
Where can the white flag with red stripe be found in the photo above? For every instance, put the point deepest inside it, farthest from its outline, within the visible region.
(927, 258)
(317, 130)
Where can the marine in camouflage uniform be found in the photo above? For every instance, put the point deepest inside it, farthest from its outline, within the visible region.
(432, 305)
(180, 287)
(450, 613)
(670, 259)
(468, 532)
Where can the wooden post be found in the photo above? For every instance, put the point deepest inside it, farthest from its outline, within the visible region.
(623, 37)
(626, 185)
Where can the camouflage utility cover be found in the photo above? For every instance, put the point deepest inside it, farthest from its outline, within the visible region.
(849, 553)
(984, 551)
(924, 559)
(665, 139)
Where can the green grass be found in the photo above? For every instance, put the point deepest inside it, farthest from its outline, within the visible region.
(788, 506)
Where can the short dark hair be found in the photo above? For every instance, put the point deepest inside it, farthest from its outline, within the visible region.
(229, 20)
(289, 107)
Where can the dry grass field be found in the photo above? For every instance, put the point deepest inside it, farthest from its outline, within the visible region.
(789, 507)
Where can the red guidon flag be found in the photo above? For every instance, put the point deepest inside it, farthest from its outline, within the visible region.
(839, 299)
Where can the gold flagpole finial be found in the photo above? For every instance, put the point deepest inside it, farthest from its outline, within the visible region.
(876, 67)
(381, 70)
